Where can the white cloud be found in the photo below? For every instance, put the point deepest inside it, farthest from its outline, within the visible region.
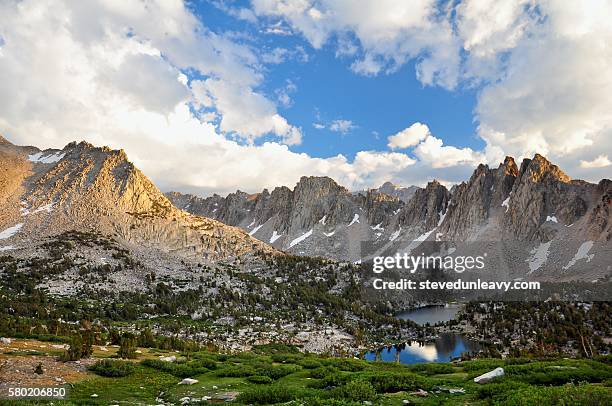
(542, 66)
(244, 111)
(88, 81)
(409, 137)
(600, 162)
(433, 151)
(283, 94)
(342, 126)
(389, 33)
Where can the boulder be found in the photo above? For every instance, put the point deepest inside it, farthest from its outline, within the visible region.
(188, 381)
(484, 378)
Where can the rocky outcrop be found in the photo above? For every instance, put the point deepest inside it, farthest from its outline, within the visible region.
(543, 191)
(598, 224)
(535, 204)
(85, 188)
(402, 193)
(473, 201)
(337, 220)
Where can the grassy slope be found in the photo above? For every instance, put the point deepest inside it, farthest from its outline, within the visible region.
(333, 381)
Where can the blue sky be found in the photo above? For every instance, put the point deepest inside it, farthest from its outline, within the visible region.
(213, 96)
(328, 90)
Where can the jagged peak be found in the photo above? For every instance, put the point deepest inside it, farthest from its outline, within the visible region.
(509, 166)
(308, 181)
(84, 146)
(539, 168)
(434, 184)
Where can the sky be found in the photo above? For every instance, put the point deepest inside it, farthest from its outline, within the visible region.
(213, 96)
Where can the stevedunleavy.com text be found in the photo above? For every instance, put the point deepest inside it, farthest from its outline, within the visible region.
(408, 284)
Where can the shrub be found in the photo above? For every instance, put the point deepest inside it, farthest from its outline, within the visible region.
(235, 371)
(319, 373)
(432, 369)
(184, 370)
(498, 391)
(309, 363)
(259, 379)
(127, 346)
(386, 382)
(287, 358)
(112, 368)
(356, 390)
(276, 371)
(272, 394)
(75, 349)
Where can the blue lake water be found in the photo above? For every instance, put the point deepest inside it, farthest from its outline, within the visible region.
(443, 349)
(431, 314)
(446, 347)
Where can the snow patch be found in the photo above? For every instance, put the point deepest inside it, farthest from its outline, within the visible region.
(300, 238)
(250, 225)
(355, 220)
(582, 253)
(11, 231)
(7, 248)
(256, 229)
(45, 159)
(329, 234)
(506, 203)
(275, 236)
(442, 215)
(47, 207)
(539, 256)
(551, 218)
(396, 234)
(323, 219)
(378, 227)
(417, 241)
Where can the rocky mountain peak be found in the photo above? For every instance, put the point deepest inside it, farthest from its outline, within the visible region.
(318, 184)
(426, 207)
(509, 167)
(541, 169)
(97, 188)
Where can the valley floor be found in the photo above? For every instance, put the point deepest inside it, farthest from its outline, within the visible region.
(276, 374)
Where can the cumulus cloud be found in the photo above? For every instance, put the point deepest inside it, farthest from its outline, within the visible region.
(244, 111)
(542, 66)
(112, 74)
(600, 162)
(409, 137)
(390, 32)
(433, 151)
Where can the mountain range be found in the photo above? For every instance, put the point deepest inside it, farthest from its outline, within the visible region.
(563, 227)
(553, 221)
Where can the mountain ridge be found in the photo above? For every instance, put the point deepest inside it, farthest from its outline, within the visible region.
(534, 204)
(83, 187)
